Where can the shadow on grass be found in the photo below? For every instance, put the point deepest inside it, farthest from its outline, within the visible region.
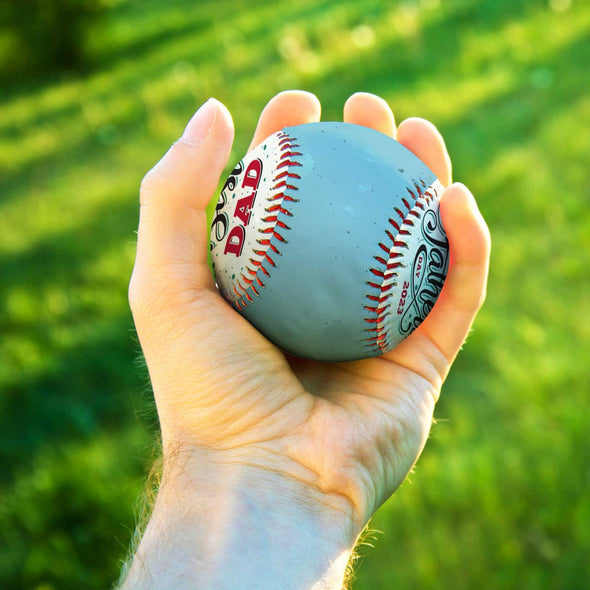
(64, 259)
(92, 369)
(87, 384)
(92, 386)
(77, 521)
(140, 47)
(399, 65)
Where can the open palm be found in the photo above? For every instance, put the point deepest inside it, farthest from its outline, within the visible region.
(350, 431)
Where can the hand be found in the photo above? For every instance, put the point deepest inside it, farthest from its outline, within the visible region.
(344, 435)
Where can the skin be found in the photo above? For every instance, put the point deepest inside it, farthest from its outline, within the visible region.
(309, 444)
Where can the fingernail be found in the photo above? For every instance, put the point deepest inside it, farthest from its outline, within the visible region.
(201, 123)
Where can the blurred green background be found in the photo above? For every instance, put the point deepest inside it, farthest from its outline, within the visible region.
(92, 95)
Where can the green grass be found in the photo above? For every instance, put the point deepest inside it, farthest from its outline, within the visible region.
(500, 497)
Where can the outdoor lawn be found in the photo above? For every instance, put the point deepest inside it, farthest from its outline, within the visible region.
(500, 499)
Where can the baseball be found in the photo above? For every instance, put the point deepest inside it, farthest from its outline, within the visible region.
(327, 238)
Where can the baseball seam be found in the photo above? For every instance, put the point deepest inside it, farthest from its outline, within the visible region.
(394, 247)
(263, 259)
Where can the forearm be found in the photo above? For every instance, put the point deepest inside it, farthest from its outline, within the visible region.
(233, 526)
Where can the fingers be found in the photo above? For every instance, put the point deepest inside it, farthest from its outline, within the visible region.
(369, 110)
(292, 107)
(418, 135)
(188, 173)
(173, 238)
(464, 290)
(449, 322)
(423, 139)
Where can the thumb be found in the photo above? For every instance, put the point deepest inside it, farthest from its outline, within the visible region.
(188, 174)
(173, 241)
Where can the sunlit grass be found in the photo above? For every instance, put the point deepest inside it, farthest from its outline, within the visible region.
(498, 499)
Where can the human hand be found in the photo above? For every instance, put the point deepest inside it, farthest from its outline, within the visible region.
(338, 436)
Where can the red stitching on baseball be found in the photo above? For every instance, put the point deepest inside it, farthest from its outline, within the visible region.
(288, 163)
(265, 243)
(376, 341)
(379, 303)
(376, 329)
(389, 234)
(382, 288)
(285, 143)
(284, 184)
(283, 197)
(375, 320)
(280, 208)
(290, 154)
(287, 174)
(277, 200)
(377, 299)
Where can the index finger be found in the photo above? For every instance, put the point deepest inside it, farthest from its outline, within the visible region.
(292, 107)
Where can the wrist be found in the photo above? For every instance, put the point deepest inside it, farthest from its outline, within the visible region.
(228, 523)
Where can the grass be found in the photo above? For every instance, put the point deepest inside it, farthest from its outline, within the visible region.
(499, 498)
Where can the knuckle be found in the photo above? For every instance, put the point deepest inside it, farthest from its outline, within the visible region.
(136, 294)
(156, 178)
(482, 297)
(149, 184)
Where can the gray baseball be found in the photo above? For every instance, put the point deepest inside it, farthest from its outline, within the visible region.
(328, 239)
